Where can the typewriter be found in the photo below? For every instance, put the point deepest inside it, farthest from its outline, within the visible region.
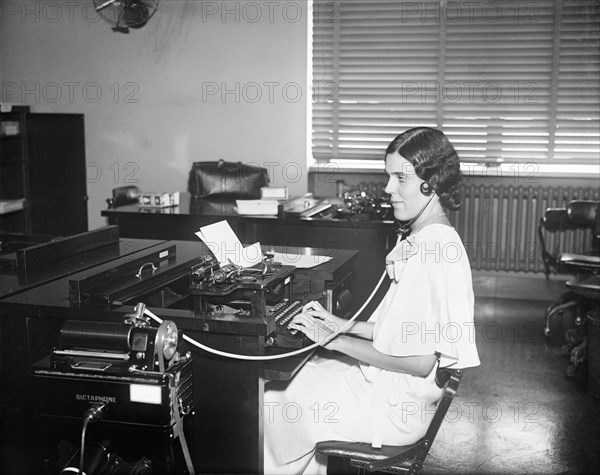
(261, 295)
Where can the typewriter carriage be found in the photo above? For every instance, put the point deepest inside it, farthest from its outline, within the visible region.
(245, 292)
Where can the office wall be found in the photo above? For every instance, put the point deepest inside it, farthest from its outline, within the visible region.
(201, 81)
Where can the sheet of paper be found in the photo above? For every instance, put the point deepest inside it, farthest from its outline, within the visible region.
(226, 246)
(300, 261)
(250, 255)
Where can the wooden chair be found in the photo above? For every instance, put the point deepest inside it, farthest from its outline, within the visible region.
(398, 459)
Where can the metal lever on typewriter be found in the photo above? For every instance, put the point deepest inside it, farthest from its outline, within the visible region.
(225, 272)
(268, 261)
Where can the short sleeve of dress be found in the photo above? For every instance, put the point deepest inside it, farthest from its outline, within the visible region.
(429, 306)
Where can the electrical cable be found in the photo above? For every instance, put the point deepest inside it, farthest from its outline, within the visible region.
(178, 430)
(92, 414)
(82, 449)
(407, 226)
(280, 356)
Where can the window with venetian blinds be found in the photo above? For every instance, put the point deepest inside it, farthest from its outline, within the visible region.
(507, 81)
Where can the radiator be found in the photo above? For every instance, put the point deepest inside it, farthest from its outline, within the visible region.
(498, 224)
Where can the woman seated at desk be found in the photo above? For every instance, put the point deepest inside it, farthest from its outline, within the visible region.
(378, 385)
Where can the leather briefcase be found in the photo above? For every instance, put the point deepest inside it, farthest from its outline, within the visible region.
(234, 180)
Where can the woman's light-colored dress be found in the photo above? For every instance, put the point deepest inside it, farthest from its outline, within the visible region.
(427, 309)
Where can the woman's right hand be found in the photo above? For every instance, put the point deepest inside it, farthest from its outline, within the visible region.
(316, 310)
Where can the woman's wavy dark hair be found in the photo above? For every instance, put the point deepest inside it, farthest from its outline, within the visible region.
(435, 161)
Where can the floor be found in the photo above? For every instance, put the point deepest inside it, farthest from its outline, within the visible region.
(518, 412)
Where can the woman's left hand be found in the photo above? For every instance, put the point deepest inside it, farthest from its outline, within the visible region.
(316, 329)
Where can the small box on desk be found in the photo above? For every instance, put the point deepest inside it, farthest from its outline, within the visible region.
(258, 207)
(159, 200)
(274, 193)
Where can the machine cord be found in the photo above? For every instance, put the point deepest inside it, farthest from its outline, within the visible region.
(274, 357)
(178, 431)
(82, 449)
(94, 413)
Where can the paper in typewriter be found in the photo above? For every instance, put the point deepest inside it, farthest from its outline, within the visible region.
(227, 248)
(299, 260)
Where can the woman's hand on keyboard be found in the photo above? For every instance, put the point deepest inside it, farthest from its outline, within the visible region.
(315, 329)
(317, 323)
(316, 310)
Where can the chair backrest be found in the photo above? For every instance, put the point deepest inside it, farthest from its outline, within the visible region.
(578, 214)
(449, 379)
(584, 213)
(415, 455)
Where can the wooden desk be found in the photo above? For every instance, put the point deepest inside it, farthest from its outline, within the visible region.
(372, 239)
(226, 432)
(38, 263)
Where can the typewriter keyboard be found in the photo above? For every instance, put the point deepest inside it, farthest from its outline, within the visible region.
(285, 337)
(284, 313)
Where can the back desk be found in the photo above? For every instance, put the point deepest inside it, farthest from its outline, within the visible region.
(372, 238)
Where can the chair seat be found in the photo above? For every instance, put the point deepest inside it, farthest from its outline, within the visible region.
(578, 263)
(587, 285)
(391, 459)
(360, 450)
(398, 458)
(589, 260)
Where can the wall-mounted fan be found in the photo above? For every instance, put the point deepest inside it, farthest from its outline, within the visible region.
(125, 14)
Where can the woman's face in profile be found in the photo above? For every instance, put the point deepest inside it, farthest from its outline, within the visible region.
(404, 186)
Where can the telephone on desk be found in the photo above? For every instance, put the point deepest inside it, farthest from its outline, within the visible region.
(351, 205)
(306, 206)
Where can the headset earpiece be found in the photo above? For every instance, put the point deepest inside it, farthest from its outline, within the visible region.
(426, 188)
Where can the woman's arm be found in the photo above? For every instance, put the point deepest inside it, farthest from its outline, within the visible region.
(321, 331)
(360, 329)
(363, 350)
